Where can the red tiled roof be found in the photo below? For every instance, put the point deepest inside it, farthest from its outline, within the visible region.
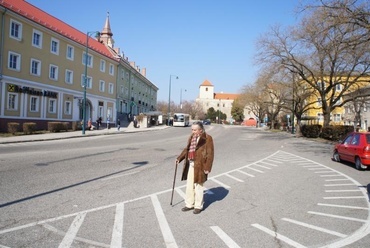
(225, 96)
(27, 10)
(206, 83)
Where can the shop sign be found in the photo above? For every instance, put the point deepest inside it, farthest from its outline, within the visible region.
(31, 91)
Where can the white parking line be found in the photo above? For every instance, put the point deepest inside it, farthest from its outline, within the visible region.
(334, 175)
(254, 169)
(87, 241)
(343, 184)
(263, 162)
(220, 183)
(279, 236)
(335, 180)
(236, 179)
(318, 172)
(245, 173)
(224, 237)
(262, 166)
(341, 206)
(163, 224)
(320, 229)
(342, 190)
(72, 231)
(337, 216)
(343, 197)
(117, 227)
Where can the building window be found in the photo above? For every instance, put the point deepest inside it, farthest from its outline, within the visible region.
(102, 65)
(321, 85)
(89, 60)
(111, 88)
(67, 108)
(54, 46)
(12, 101)
(88, 81)
(37, 39)
(320, 116)
(34, 106)
(337, 118)
(111, 69)
(69, 77)
(338, 87)
(70, 52)
(15, 30)
(35, 67)
(101, 86)
(14, 61)
(52, 106)
(53, 72)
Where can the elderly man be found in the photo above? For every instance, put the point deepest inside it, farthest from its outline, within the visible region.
(198, 155)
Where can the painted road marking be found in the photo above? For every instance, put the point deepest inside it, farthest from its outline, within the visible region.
(224, 237)
(72, 231)
(315, 228)
(117, 233)
(276, 235)
(163, 224)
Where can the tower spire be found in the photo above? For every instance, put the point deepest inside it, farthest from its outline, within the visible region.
(106, 34)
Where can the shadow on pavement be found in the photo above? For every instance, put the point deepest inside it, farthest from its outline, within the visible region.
(219, 193)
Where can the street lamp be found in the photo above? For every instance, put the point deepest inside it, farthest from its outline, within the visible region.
(169, 99)
(219, 107)
(88, 34)
(181, 98)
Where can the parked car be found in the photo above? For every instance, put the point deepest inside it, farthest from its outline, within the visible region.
(207, 122)
(355, 148)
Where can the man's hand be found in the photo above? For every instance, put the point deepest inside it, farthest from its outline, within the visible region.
(206, 172)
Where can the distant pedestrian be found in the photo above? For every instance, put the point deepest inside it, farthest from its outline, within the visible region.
(97, 124)
(198, 155)
(118, 125)
(108, 123)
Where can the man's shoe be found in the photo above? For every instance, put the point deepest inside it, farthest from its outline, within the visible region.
(197, 211)
(184, 209)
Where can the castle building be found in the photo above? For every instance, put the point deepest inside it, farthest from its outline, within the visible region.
(219, 101)
(48, 69)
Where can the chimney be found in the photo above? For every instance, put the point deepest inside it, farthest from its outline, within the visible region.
(132, 63)
(143, 72)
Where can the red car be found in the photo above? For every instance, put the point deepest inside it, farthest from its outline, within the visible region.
(355, 148)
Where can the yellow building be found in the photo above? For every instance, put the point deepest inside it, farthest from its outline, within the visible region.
(43, 67)
(338, 116)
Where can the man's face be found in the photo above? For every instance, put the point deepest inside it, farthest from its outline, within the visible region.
(195, 130)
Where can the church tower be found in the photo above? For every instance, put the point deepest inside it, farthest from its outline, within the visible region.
(206, 90)
(106, 34)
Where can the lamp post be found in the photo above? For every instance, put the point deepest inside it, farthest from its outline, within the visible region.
(219, 110)
(293, 106)
(181, 98)
(169, 99)
(88, 34)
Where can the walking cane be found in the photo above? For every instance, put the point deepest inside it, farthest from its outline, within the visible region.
(173, 185)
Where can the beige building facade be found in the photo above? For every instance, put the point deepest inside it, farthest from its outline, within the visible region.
(43, 68)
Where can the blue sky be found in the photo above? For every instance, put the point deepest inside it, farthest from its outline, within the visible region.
(193, 39)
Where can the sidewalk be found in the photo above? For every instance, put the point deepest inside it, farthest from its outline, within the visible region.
(76, 134)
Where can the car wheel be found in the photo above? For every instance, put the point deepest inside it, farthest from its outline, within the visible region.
(336, 156)
(359, 165)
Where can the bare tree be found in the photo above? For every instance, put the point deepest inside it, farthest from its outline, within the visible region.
(323, 55)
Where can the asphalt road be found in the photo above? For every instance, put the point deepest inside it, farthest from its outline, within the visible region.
(266, 189)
